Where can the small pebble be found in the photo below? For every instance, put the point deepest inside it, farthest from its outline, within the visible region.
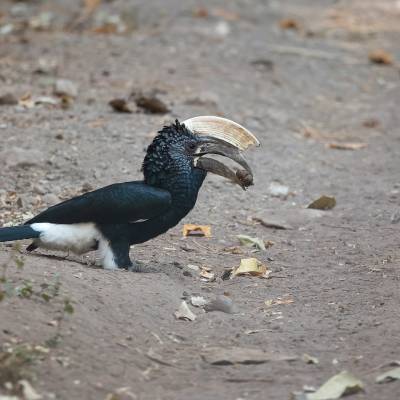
(221, 303)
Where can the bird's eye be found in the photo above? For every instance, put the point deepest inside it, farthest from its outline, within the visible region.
(191, 146)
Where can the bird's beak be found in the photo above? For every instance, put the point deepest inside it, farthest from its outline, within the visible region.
(212, 145)
(226, 138)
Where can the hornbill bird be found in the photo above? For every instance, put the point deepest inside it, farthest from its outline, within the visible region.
(113, 218)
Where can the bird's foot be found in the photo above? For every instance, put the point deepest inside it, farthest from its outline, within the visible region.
(135, 267)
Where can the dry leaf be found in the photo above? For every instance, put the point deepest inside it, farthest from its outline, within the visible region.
(276, 189)
(347, 146)
(184, 312)
(91, 5)
(201, 12)
(323, 203)
(196, 230)
(252, 267)
(271, 224)
(371, 123)
(206, 274)
(339, 385)
(120, 105)
(193, 267)
(26, 101)
(278, 301)
(391, 375)
(28, 391)
(150, 103)
(8, 99)
(289, 23)
(198, 301)
(309, 359)
(221, 303)
(249, 241)
(225, 14)
(380, 56)
(46, 100)
(241, 355)
(233, 250)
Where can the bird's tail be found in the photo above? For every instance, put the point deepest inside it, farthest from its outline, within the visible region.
(17, 233)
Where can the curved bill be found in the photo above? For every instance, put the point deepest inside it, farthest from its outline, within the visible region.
(212, 145)
(223, 129)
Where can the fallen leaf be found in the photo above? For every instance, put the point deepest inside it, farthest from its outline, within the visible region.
(8, 99)
(309, 359)
(28, 391)
(198, 301)
(97, 123)
(391, 375)
(46, 100)
(289, 23)
(323, 203)
(184, 312)
(221, 303)
(26, 101)
(263, 64)
(225, 14)
(380, 56)
(271, 224)
(371, 123)
(206, 274)
(347, 146)
(252, 267)
(151, 103)
(196, 230)
(46, 66)
(65, 87)
(339, 385)
(90, 5)
(120, 105)
(42, 21)
(241, 355)
(201, 12)
(193, 267)
(392, 363)
(42, 349)
(276, 189)
(249, 241)
(233, 250)
(278, 301)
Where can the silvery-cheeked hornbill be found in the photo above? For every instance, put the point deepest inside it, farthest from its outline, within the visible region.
(115, 217)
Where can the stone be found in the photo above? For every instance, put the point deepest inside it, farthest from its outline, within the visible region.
(65, 87)
(17, 157)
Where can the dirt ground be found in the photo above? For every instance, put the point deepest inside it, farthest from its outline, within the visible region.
(297, 74)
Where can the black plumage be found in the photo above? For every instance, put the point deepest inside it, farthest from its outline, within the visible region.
(127, 213)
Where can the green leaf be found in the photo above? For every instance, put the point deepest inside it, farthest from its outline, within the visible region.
(391, 375)
(249, 241)
(46, 297)
(323, 203)
(19, 262)
(339, 385)
(68, 308)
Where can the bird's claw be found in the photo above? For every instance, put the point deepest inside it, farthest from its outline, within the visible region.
(135, 267)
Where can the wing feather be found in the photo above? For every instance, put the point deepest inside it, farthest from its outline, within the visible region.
(117, 203)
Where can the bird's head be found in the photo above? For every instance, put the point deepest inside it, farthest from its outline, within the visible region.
(180, 148)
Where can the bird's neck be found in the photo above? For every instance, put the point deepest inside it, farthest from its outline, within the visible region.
(184, 191)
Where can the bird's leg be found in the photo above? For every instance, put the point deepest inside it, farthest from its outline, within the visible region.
(121, 256)
(135, 267)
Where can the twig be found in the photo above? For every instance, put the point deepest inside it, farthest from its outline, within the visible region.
(305, 52)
